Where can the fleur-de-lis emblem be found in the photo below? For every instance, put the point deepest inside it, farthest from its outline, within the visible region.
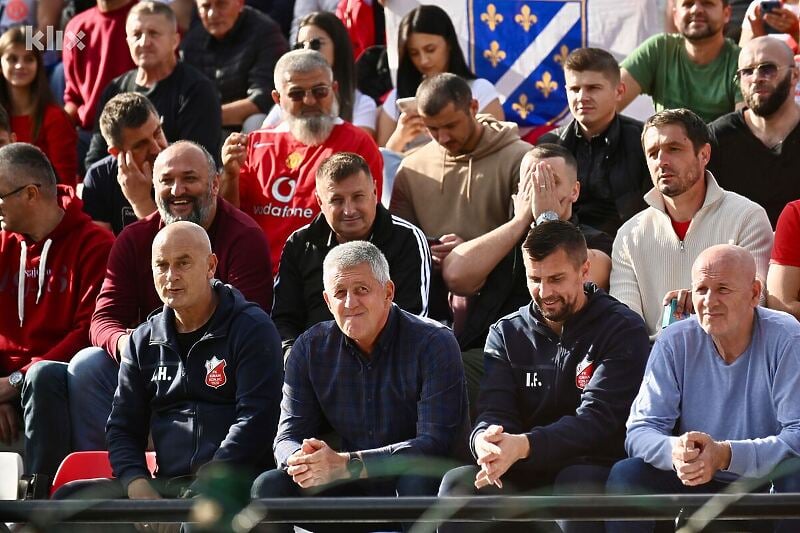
(525, 18)
(561, 56)
(546, 85)
(522, 106)
(494, 54)
(491, 17)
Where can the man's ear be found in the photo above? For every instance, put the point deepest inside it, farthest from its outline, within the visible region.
(575, 192)
(276, 97)
(327, 300)
(13, 137)
(620, 90)
(390, 291)
(319, 200)
(473, 107)
(212, 265)
(705, 153)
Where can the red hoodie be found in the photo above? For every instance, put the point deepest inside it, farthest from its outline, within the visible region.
(51, 321)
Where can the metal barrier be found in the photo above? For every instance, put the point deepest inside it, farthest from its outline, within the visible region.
(431, 510)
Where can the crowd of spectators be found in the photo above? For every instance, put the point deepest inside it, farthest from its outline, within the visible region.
(222, 250)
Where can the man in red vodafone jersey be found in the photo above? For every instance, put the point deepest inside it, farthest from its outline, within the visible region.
(270, 173)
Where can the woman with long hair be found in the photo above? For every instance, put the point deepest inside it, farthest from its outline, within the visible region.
(35, 117)
(324, 32)
(427, 45)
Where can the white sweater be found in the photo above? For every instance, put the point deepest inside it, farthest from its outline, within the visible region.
(648, 259)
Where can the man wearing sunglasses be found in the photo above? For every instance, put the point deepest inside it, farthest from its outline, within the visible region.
(270, 173)
(756, 151)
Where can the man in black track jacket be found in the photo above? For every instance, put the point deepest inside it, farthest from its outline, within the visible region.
(348, 201)
(561, 374)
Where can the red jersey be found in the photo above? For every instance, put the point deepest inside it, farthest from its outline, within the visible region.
(277, 181)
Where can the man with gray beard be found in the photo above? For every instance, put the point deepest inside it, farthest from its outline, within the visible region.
(270, 173)
(756, 150)
(186, 184)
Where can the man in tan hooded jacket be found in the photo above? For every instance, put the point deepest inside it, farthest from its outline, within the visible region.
(458, 187)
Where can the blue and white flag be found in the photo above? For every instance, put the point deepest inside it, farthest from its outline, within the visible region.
(520, 45)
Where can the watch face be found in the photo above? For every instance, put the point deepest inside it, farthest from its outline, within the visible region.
(15, 379)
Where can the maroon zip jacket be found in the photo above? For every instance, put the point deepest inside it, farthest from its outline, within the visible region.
(128, 295)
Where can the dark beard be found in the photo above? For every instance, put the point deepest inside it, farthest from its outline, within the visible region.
(774, 101)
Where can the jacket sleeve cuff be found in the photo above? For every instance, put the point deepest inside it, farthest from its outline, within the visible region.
(131, 475)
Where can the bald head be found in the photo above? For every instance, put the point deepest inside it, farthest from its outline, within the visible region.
(763, 49)
(183, 265)
(729, 258)
(725, 294)
(187, 233)
(767, 77)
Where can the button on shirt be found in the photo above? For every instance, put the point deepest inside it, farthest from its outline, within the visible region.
(407, 397)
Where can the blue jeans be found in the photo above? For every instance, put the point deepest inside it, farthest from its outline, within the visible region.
(278, 484)
(570, 481)
(634, 476)
(66, 407)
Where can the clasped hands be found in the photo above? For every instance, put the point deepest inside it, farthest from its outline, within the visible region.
(316, 464)
(497, 451)
(696, 457)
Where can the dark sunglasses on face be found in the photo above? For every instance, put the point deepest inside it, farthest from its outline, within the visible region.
(313, 44)
(319, 92)
(767, 70)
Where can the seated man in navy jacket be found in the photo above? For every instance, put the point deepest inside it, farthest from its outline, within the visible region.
(203, 377)
(388, 383)
(560, 376)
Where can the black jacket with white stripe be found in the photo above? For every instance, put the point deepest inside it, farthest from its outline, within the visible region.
(298, 303)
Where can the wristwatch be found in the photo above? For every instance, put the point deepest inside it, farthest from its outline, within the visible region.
(547, 216)
(15, 379)
(355, 465)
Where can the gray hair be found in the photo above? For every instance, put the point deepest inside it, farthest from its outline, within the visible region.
(24, 163)
(301, 61)
(354, 253)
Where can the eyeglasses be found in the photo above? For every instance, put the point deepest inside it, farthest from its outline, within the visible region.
(319, 92)
(766, 70)
(312, 44)
(18, 189)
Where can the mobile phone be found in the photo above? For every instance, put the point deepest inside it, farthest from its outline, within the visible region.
(669, 314)
(407, 105)
(769, 7)
(433, 240)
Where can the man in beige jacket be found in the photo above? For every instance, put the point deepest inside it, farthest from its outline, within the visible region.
(689, 212)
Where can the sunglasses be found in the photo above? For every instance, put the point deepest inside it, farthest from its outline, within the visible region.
(766, 70)
(313, 44)
(319, 92)
(18, 189)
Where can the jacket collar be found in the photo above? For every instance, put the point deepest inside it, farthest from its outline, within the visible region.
(714, 193)
(611, 135)
(385, 338)
(321, 234)
(162, 321)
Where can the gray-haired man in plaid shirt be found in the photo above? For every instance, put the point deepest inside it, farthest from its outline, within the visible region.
(390, 385)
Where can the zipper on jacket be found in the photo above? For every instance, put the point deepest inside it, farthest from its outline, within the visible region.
(683, 248)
